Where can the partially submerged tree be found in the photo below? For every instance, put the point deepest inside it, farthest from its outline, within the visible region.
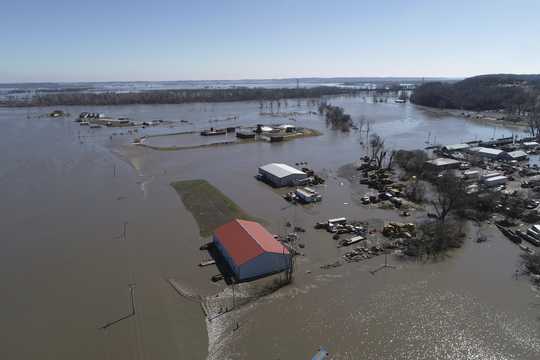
(531, 263)
(533, 117)
(336, 117)
(435, 238)
(449, 195)
(412, 162)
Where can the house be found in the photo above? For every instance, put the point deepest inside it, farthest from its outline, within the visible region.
(250, 251)
(279, 175)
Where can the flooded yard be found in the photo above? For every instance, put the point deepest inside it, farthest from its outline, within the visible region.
(66, 262)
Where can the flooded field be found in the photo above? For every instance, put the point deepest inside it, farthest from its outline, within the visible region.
(69, 192)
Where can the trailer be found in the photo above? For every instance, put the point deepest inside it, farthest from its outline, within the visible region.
(308, 195)
(495, 181)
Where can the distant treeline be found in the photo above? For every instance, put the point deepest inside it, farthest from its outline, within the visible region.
(515, 93)
(176, 96)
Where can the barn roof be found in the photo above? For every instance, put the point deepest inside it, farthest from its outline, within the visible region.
(245, 240)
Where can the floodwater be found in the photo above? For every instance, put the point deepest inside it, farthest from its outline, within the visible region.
(66, 264)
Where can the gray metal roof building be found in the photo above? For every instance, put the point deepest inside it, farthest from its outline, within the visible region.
(487, 152)
(442, 164)
(280, 175)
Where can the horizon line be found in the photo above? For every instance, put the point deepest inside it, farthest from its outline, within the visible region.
(231, 80)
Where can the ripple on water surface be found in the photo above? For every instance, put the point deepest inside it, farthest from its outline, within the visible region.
(415, 322)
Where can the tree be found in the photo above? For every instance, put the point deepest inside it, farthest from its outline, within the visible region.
(376, 144)
(412, 162)
(514, 207)
(533, 118)
(531, 262)
(449, 195)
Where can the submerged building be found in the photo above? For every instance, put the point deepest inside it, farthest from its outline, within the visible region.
(250, 251)
(280, 175)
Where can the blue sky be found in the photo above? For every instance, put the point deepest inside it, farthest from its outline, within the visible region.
(97, 40)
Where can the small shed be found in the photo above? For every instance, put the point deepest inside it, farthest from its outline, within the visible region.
(250, 251)
(279, 175)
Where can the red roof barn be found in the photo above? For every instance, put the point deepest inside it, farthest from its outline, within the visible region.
(250, 250)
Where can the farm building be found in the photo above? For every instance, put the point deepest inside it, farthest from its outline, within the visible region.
(250, 251)
(440, 164)
(518, 155)
(487, 152)
(280, 175)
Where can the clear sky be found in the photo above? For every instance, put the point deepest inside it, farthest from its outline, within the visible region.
(98, 40)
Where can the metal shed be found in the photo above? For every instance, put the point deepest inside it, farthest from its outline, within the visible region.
(487, 152)
(250, 251)
(280, 175)
(440, 164)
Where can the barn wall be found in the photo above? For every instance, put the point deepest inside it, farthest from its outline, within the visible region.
(226, 255)
(263, 265)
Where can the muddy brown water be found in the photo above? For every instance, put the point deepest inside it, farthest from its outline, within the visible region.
(65, 266)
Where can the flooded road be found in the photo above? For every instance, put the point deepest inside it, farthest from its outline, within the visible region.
(66, 264)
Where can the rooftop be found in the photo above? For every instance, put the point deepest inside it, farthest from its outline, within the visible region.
(245, 240)
(517, 154)
(496, 178)
(485, 150)
(443, 162)
(281, 170)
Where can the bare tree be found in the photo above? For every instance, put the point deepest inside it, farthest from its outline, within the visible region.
(376, 144)
(390, 161)
(449, 195)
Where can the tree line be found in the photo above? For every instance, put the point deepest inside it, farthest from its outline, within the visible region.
(517, 94)
(175, 96)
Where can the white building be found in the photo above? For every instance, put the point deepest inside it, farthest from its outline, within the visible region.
(486, 152)
(280, 175)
